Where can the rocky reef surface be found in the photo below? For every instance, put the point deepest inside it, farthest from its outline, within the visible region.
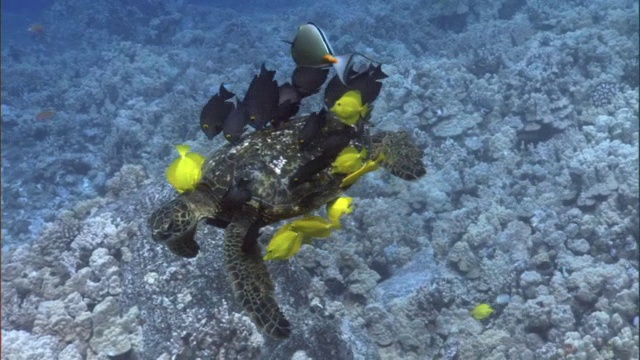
(528, 114)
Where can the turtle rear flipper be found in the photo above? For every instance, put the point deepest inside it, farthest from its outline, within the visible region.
(250, 278)
(401, 157)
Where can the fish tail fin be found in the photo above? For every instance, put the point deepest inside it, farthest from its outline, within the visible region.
(364, 153)
(349, 209)
(364, 111)
(183, 149)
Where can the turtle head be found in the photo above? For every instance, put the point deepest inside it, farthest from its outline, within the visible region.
(174, 224)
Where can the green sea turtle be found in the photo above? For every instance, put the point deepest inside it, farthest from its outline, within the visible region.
(264, 163)
(276, 174)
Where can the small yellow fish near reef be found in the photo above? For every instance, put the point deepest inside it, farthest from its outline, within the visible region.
(313, 226)
(369, 166)
(349, 107)
(337, 209)
(284, 244)
(185, 171)
(288, 240)
(482, 311)
(349, 160)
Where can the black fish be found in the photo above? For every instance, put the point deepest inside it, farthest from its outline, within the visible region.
(334, 91)
(312, 128)
(250, 241)
(234, 124)
(215, 111)
(308, 80)
(334, 142)
(219, 223)
(288, 103)
(261, 99)
(237, 195)
(306, 171)
(367, 82)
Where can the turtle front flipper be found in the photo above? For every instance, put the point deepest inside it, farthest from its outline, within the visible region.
(401, 157)
(250, 278)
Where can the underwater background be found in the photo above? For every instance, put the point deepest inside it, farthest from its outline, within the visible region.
(527, 111)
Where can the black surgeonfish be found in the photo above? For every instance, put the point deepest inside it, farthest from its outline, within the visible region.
(367, 82)
(310, 48)
(215, 111)
(334, 91)
(308, 81)
(334, 142)
(234, 124)
(237, 195)
(288, 104)
(306, 171)
(261, 99)
(330, 145)
(312, 128)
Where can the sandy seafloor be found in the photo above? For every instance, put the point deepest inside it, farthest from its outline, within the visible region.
(528, 114)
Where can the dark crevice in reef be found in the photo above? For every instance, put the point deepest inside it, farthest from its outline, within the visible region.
(544, 133)
(509, 8)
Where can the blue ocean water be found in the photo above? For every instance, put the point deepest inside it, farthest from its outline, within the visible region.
(527, 114)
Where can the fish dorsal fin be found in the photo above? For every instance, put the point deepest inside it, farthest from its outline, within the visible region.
(316, 218)
(355, 95)
(343, 65)
(183, 149)
(348, 150)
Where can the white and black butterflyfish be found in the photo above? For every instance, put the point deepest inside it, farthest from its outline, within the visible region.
(310, 48)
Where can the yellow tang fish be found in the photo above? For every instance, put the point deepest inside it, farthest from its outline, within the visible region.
(185, 172)
(312, 226)
(349, 107)
(284, 244)
(349, 160)
(482, 311)
(369, 166)
(337, 208)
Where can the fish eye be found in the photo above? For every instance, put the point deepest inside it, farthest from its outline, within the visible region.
(205, 126)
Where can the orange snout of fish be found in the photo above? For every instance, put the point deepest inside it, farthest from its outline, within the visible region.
(330, 59)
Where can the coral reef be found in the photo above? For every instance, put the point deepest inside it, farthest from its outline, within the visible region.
(528, 114)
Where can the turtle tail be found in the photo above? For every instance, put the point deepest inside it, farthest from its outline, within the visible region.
(250, 278)
(401, 157)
